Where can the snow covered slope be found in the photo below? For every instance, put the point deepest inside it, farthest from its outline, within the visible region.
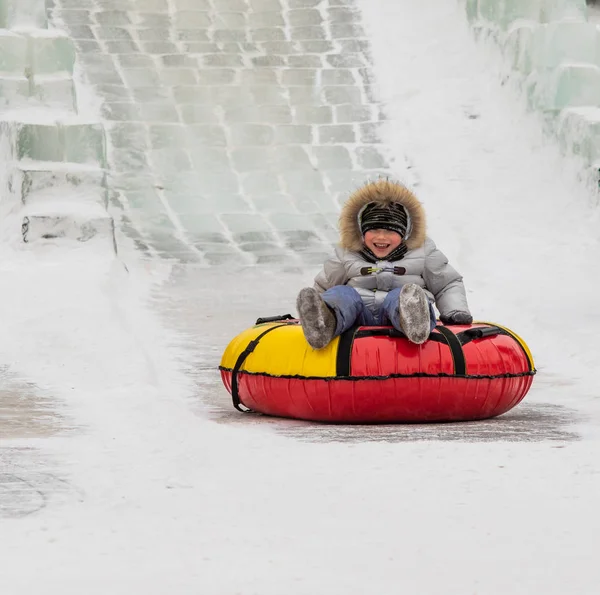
(153, 484)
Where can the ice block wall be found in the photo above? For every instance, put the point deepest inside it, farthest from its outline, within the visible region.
(53, 153)
(235, 128)
(553, 50)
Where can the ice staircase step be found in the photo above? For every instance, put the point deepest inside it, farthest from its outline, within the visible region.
(33, 52)
(36, 66)
(77, 143)
(14, 55)
(31, 179)
(54, 91)
(14, 91)
(45, 219)
(62, 200)
(579, 132)
(60, 196)
(50, 51)
(27, 13)
(52, 135)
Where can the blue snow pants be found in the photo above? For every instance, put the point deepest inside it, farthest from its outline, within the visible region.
(350, 310)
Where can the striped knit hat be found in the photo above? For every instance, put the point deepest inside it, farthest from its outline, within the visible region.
(376, 216)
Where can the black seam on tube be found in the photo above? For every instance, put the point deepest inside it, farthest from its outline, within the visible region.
(388, 376)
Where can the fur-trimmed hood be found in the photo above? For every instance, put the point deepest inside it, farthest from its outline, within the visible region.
(383, 192)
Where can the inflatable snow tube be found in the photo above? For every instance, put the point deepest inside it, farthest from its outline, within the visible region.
(375, 375)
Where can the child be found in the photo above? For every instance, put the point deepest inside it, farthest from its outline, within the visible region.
(385, 271)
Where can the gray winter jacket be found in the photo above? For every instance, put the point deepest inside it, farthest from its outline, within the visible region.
(422, 264)
(426, 266)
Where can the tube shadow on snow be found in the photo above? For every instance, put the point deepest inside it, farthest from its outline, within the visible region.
(529, 422)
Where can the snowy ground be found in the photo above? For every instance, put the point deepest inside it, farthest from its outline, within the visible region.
(152, 484)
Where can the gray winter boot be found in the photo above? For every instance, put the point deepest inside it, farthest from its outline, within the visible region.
(414, 313)
(318, 321)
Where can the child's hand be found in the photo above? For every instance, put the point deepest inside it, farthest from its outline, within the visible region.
(456, 317)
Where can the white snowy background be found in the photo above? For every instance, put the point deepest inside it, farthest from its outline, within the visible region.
(152, 488)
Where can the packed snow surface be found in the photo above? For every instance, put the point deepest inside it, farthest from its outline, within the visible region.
(164, 492)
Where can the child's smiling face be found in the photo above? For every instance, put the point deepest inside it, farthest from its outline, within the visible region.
(382, 241)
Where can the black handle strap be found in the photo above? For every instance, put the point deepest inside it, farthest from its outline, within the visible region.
(381, 332)
(235, 395)
(274, 318)
(479, 333)
(344, 351)
(460, 364)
